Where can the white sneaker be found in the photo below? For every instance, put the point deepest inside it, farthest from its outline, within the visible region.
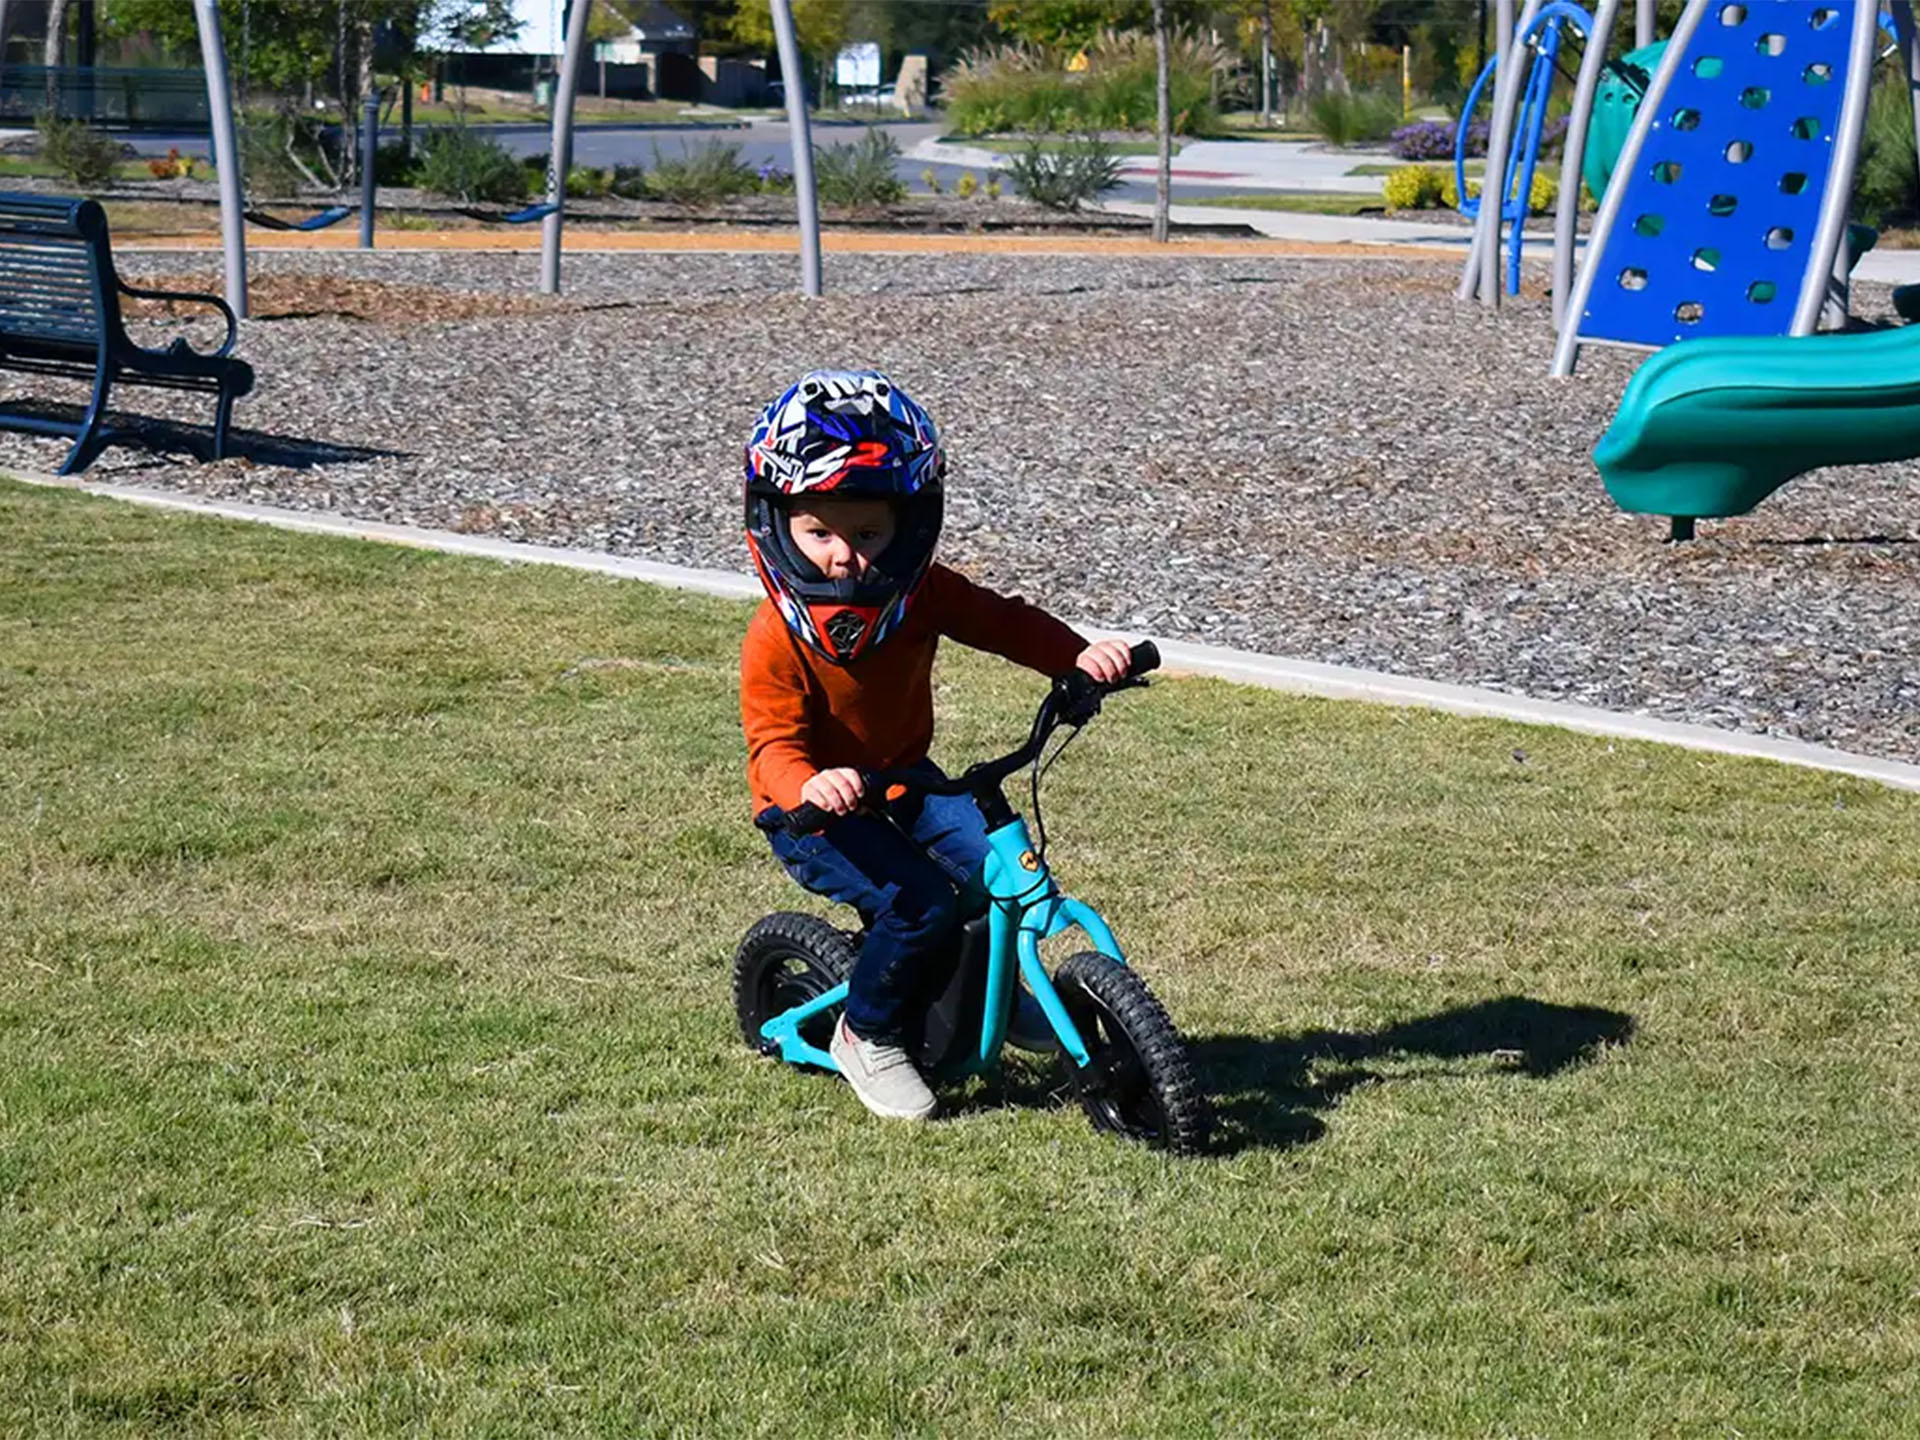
(881, 1075)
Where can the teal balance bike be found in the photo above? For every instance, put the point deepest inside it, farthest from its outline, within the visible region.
(1123, 1057)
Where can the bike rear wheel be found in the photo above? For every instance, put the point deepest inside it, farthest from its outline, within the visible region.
(1139, 1082)
(785, 960)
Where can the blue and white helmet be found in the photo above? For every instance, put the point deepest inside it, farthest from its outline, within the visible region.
(853, 435)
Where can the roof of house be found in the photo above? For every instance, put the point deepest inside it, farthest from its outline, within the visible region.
(655, 21)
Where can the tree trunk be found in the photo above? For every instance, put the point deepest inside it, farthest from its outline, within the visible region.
(1163, 122)
(362, 88)
(56, 54)
(1266, 64)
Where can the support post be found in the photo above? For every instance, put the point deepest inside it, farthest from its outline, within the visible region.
(226, 153)
(1482, 275)
(1643, 23)
(803, 193)
(1566, 220)
(560, 155)
(369, 153)
(1829, 257)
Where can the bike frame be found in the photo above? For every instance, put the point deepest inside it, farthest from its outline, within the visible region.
(1026, 907)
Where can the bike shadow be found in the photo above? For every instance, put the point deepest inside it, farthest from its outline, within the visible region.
(1273, 1090)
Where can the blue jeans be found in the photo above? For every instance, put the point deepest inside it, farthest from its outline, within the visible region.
(905, 893)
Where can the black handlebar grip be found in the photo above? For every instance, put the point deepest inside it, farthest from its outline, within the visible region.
(805, 818)
(1143, 657)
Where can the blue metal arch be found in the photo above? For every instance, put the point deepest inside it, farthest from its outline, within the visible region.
(1543, 36)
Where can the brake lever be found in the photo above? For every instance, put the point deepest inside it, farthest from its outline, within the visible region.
(1077, 698)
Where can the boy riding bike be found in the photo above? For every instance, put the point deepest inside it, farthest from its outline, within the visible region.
(844, 496)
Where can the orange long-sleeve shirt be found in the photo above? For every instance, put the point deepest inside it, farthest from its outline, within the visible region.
(804, 714)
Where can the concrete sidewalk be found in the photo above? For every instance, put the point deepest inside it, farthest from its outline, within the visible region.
(1315, 229)
(1224, 164)
(1273, 672)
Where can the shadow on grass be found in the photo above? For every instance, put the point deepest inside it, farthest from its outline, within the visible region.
(141, 441)
(1273, 1090)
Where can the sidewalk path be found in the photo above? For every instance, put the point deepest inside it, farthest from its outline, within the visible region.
(1228, 164)
(1270, 672)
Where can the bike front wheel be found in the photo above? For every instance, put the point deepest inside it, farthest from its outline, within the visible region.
(1139, 1081)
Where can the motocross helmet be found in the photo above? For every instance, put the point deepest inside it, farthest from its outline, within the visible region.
(844, 435)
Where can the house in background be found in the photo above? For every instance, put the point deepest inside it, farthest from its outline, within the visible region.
(657, 58)
(665, 48)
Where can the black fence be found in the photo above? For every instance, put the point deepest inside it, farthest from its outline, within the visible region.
(104, 96)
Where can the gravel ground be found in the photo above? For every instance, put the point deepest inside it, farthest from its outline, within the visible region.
(1320, 459)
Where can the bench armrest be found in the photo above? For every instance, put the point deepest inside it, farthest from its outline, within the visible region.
(233, 326)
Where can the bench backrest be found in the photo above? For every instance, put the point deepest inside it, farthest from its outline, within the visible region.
(56, 271)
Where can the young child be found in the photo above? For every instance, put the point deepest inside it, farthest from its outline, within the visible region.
(843, 498)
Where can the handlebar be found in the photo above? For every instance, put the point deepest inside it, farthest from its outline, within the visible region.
(1074, 699)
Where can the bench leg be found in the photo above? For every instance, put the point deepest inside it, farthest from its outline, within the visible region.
(91, 440)
(85, 451)
(222, 415)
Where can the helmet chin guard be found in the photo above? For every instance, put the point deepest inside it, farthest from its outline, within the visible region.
(843, 435)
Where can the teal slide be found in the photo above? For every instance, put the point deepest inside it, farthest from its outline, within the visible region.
(1712, 427)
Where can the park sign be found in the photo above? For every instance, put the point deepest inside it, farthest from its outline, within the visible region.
(857, 67)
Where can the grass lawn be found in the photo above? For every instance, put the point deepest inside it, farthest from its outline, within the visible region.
(20, 167)
(365, 923)
(588, 108)
(1473, 167)
(1245, 124)
(1008, 144)
(1304, 202)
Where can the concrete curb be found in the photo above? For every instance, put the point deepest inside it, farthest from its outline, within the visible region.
(1303, 677)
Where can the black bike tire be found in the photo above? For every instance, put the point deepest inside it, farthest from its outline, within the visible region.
(775, 939)
(1107, 1000)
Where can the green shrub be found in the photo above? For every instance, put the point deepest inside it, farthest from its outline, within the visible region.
(629, 182)
(1008, 87)
(584, 182)
(1065, 177)
(1027, 87)
(1120, 81)
(393, 164)
(463, 165)
(1414, 187)
(703, 173)
(1450, 192)
(1541, 197)
(266, 166)
(1884, 184)
(81, 153)
(1544, 194)
(860, 174)
(1349, 119)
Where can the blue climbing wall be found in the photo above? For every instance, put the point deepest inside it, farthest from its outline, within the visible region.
(1717, 222)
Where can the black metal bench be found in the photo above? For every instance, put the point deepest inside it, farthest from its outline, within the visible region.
(60, 315)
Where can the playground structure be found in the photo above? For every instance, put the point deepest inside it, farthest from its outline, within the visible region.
(1541, 36)
(1724, 224)
(1605, 134)
(1727, 213)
